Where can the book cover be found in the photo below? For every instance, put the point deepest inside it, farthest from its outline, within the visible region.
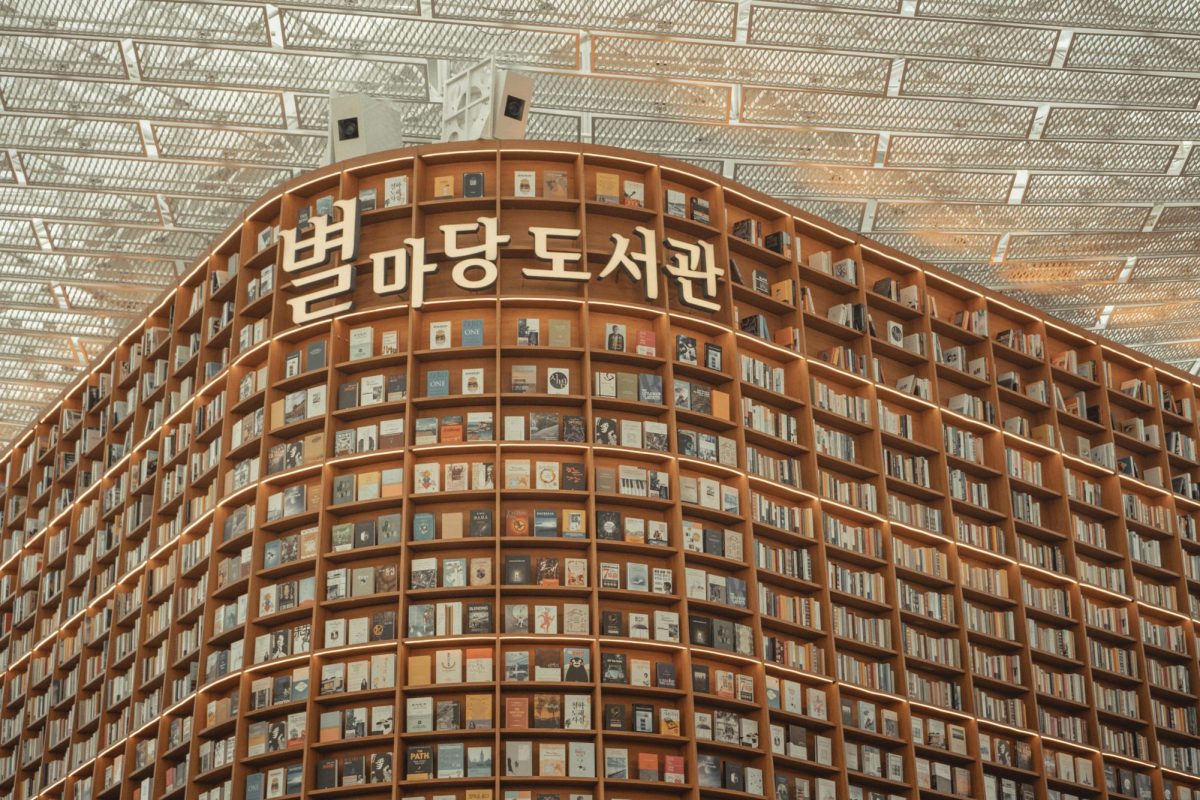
(555, 184)
(395, 191)
(525, 183)
(473, 184)
(472, 333)
(437, 383)
(439, 335)
(608, 187)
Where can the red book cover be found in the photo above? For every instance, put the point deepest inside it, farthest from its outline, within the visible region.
(647, 344)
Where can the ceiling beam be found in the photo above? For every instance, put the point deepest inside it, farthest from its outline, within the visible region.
(99, 313)
(58, 336)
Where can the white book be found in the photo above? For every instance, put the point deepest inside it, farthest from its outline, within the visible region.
(395, 191)
(362, 341)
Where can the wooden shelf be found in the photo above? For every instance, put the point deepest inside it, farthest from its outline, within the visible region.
(695, 592)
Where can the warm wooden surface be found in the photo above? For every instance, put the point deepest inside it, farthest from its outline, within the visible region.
(64, 578)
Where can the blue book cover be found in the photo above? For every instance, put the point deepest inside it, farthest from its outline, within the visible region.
(437, 383)
(424, 527)
(472, 333)
(295, 773)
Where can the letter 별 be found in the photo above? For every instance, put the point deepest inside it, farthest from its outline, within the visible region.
(314, 251)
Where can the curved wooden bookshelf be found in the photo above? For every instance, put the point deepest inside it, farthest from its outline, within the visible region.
(864, 530)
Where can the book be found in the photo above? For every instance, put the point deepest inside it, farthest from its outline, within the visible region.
(471, 333)
(395, 191)
(676, 203)
(437, 383)
(361, 343)
(473, 184)
(443, 187)
(608, 187)
(555, 184)
(525, 183)
(439, 335)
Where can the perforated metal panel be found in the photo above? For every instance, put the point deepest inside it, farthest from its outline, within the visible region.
(1045, 148)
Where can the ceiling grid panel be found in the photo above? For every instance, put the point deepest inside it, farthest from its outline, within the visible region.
(1042, 147)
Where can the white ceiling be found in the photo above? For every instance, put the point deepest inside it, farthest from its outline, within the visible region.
(1044, 147)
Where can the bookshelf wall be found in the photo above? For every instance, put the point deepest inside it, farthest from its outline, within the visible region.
(866, 531)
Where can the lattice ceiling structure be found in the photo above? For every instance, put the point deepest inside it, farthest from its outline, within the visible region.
(1043, 147)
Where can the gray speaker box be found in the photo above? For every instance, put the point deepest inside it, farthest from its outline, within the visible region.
(485, 102)
(360, 124)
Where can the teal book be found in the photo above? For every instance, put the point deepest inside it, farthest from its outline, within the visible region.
(472, 333)
(437, 383)
(424, 527)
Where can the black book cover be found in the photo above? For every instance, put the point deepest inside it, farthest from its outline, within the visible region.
(383, 626)
(472, 184)
(700, 678)
(347, 395)
(327, 773)
(573, 428)
(420, 762)
(573, 477)
(612, 623)
(733, 776)
(613, 668)
(481, 522)
(608, 525)
(700, 631)
(518, 570)
(614, 716)
(479, 618)
(664, 674)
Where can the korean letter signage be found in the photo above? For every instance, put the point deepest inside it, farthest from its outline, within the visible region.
(307, 255)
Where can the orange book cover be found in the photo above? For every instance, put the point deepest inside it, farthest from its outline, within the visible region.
(516, 522)
(277, 414)
(720, 404)
(420, 671)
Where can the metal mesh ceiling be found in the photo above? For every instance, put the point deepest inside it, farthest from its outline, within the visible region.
(1042, 148)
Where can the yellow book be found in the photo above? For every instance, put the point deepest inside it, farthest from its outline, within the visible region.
(420, 671)
(277, 414)
(443, 187)
(608, 187)
(720, 404)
